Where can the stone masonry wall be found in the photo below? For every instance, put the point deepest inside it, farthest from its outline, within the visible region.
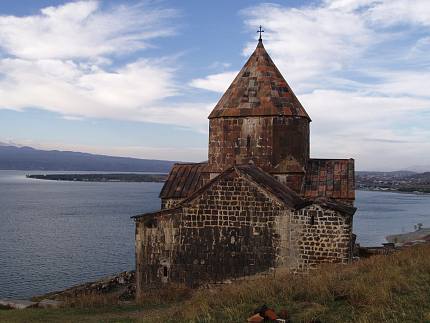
(268, 141)
(155, 245)
(321, 235)
(238, 140)
(228, 232)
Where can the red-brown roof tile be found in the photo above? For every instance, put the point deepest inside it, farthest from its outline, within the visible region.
(330, 178)
(183, 180)
(259, 90)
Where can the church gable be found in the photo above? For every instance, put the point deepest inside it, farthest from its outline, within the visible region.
(232, 200)
(243, 183)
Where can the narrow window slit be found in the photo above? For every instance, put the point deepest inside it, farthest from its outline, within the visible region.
(248, 142)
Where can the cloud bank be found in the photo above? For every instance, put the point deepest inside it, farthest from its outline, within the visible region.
(72, 59)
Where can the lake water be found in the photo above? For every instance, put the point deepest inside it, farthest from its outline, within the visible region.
(57, 234)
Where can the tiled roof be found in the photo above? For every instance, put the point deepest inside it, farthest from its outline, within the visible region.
(259, 90)
(330, 178)
(325, 178)
(183, 180)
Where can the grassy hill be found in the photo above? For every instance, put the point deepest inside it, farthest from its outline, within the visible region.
(391, 288)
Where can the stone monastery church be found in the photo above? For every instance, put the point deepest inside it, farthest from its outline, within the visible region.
(258, 203)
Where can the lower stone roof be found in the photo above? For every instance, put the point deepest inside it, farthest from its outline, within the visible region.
(330, 178)
(183, 180)
(325, 178)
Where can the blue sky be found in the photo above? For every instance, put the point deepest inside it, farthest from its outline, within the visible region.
(138, 78)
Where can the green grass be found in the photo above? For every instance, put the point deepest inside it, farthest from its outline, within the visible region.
(394, 288)
(113, 313)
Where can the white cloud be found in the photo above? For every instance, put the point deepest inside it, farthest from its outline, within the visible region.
(215, 82)
(129, 92)
(82, 30)
(348, 5)
(342, 109)
(51, 82)
(366, 127)
(403, 83)
(310, 44)
(391, 12)
(65, 60)
(386, 12)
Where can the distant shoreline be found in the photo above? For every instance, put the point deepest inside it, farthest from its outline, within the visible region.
(155, 177)
(114, 177)
(393, 191)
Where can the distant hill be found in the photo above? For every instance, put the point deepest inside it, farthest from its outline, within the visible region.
(397, 173)
(419, 168)
(27, 158)
(402, 181)
(423, 178)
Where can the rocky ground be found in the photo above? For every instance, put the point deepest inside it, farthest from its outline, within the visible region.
(420, 235)
(118, 289)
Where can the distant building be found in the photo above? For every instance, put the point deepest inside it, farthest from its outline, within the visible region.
(259, 202)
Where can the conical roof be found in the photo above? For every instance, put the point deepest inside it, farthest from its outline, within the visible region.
(259, 90)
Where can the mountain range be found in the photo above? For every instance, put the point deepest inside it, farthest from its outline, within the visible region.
(27, 158)
(16, 157)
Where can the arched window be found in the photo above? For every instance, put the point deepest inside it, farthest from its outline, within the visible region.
(312, 220)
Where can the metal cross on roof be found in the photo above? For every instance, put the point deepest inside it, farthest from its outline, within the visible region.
(260, 30)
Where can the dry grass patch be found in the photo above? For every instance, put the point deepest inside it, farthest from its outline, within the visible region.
(92, 300)
(392, 288)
